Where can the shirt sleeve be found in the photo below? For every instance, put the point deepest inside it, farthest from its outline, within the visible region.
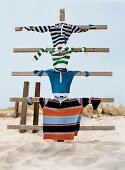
(41, 102)
(77, 29)
(40, 73)
(95, 102)
(85, 102)
(40, 29)
(29, 100)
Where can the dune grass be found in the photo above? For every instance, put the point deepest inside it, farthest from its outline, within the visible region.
(9, 112)
(103, 109)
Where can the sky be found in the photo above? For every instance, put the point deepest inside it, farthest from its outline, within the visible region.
(78, 12)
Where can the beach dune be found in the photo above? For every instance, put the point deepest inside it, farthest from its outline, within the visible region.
(96, 150)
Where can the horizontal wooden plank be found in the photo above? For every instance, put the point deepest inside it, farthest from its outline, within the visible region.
(107, 100)
(32, 50)
(97, 127)
(78, 74)
(98, 27)
(36, 99)
(36, 127)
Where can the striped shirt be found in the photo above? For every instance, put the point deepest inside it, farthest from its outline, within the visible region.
(60, 32)
(59, 61)
(61, 122)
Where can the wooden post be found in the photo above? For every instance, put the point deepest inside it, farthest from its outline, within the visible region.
(36, 106)
(24, 106)
(62, 15)
(16, 110)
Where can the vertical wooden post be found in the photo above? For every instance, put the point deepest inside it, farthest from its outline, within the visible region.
(36, 106)
(16, 110)
(62, 14)
(24, 105)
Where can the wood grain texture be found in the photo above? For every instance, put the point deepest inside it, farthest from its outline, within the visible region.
(32, 50)
(78, 74)
(62, 18)
(24, 106)
(36, 99)
(36, 127)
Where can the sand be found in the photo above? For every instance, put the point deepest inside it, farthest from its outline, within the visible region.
(91, 150)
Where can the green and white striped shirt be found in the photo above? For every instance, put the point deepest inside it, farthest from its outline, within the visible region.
(59, 61)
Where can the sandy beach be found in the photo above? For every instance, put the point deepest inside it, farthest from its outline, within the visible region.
(91, 150)
(58, 50)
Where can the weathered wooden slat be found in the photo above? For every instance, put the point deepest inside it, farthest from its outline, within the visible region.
(32, 50)
(36, 99)
(36, 106)
(62, 14)
(78, 74)
(24, 105)
(97, 27)
(107, 100)
(16, 110)
(36, 127)
(18, 28)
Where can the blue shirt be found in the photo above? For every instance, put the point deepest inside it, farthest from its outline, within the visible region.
(60, 81)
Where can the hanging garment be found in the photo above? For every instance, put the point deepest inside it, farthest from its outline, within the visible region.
(61, 121)
(95, 102)
(60, 79)
(85, 101)
(59, 61)
(55, 52)
(60, 32)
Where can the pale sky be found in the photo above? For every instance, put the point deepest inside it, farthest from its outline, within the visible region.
(46, 12)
